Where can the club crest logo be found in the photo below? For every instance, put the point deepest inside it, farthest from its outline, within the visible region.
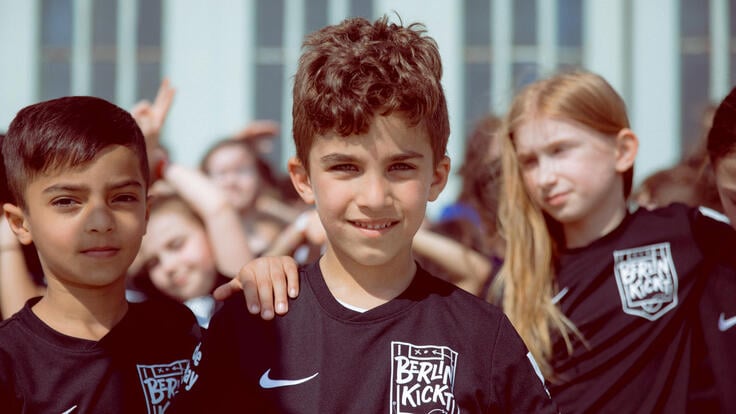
(160, 383)
(423, 379)
(647, 280)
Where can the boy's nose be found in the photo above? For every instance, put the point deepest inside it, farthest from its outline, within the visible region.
(100, 220)
(374, 192)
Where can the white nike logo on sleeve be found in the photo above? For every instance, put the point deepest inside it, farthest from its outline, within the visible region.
(267, 382)
(726, 324)
(69, 410)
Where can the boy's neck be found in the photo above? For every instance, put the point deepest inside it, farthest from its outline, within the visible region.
(82, 313)
(363, 286)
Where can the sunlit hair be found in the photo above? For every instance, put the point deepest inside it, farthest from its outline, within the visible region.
(722, 135)
(66, 133)
(354, 71)
(526, 283)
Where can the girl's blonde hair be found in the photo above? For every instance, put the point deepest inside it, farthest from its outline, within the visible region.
(526, 283)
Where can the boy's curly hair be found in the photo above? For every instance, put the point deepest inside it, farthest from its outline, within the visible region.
(351, 72)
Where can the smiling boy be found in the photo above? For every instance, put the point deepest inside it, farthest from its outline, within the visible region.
(78, 171)
(370, 331)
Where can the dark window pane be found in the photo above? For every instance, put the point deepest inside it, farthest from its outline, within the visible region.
(525, 22)
(477, 22)
(149, 78)
(103, 84)
(55, 80)
(694, 17)
(362, 8)
(149, 23)
(694, 88)
(269, 22)
(56, 23)
(570, 23)
(477, 92)
(269, 89)
(104, 22)
(316, 15)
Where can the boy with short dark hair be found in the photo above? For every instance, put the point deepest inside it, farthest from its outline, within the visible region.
(370, 331)
(77, 169)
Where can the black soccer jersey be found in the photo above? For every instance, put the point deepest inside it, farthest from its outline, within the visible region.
(717, 311)
(136, 368)
(434, 348)
(634, 296)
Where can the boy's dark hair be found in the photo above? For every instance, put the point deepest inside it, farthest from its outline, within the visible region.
(351, 72)
(722, 135)
(65, 132)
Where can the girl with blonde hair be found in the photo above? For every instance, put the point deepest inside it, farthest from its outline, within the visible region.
(600, 295)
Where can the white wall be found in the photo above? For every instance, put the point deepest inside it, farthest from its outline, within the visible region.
(654, 105)
(206, 49)
(18, 57)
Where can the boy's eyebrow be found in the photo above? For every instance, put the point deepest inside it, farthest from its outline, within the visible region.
(72, 187)
(406, 155)
(338, 158)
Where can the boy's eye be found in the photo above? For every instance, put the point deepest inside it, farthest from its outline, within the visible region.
(401, 166)
(63, 202)
(343, 167)
(126, 198)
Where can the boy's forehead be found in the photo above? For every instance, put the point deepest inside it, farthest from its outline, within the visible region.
(389, 132)
(114, 166)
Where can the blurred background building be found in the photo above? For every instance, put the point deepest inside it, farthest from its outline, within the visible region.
(232, 61)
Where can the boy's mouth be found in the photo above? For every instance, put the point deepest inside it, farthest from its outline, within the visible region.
(373, 225)
(103, 251)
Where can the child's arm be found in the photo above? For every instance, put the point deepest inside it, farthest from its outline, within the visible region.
(16, 283)
(222, 222)
(151, 117)
(306, 227)
(469, 267)
(264, 281)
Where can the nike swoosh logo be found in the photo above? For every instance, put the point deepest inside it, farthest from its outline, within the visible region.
(266, 382)
(561, 294)
(70, 410)
(726, 324)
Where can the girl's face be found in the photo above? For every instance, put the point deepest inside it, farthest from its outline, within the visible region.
(233, 168)
(573, 173)
(177, 254)
(726, 182)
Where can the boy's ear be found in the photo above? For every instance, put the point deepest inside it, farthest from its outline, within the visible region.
(439, 178)
(300, 179)
(18, 223)
(627, 145)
